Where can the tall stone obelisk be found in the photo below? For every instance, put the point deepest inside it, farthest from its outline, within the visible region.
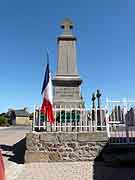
(66, 82)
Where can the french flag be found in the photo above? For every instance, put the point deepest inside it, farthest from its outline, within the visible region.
(47, 105)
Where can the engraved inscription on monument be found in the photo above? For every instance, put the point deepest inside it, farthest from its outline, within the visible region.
(66, 82)
(67, 92)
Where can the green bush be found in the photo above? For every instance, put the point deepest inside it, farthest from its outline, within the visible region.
(3, 120)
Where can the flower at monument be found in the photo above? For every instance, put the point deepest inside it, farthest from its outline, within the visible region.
(47, 105)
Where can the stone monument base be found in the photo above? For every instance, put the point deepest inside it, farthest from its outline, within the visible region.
(53, 147)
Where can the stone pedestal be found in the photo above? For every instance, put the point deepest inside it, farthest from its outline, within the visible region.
(54, 147)
(67, 92)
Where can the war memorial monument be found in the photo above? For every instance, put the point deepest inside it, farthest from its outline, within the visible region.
(69, 138)
(66, 82)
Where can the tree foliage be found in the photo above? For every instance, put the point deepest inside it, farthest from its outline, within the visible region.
(3, 120)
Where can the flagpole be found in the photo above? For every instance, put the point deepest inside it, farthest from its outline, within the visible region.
(47, 56)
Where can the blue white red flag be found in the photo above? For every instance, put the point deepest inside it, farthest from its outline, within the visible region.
(47, 105)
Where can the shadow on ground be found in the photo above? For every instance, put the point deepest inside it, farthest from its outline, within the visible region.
(115, 164)
(104, 172)
(16, 152)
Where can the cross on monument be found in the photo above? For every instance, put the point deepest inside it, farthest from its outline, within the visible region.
(67, 25)
(99, 98)
(93, 100)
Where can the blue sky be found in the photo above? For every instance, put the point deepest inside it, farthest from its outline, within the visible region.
(105, 48)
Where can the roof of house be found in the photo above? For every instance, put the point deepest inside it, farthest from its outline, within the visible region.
(20, 112)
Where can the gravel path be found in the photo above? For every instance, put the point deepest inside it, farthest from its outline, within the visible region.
(57, 171)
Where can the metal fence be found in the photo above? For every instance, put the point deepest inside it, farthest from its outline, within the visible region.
(117, 119)
(121, 121)
(71, 119)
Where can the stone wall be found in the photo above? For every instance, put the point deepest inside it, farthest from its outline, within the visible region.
(42, 146)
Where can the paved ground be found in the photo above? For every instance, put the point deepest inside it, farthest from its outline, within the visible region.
(16, 170)
(9, 138)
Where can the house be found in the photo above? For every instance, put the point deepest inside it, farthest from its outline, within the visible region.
(19, 116)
